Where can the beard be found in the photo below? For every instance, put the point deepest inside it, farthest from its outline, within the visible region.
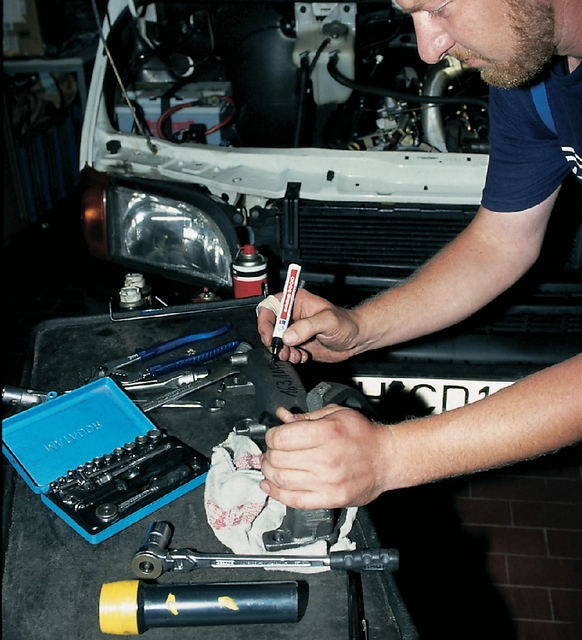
(533, 26)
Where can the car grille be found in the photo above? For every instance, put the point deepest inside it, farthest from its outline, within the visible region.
(370, 248)
(540, 321)
(381, 238)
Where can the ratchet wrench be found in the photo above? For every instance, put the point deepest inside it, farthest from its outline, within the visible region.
(153, 558)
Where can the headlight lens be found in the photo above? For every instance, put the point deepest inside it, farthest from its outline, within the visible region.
(169, 234)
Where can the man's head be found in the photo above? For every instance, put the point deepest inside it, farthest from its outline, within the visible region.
(509, 41)
(532, 25)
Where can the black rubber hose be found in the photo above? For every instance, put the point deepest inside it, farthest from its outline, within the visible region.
(397, 95)
(303, 86)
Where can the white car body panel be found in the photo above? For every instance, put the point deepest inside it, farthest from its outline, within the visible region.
(325, 174)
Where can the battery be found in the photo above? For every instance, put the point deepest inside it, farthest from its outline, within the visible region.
(150, 97)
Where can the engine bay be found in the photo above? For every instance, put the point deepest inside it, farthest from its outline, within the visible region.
(285, 75)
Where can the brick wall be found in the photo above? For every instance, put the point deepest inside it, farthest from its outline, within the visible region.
(491, 556)
(530, 518)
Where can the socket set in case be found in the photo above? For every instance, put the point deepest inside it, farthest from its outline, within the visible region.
(97, 461)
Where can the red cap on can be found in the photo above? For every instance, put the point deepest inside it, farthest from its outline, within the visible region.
(249, 273)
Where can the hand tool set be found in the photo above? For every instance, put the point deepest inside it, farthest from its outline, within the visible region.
(92, 454)
(109, 487)
(101, 464)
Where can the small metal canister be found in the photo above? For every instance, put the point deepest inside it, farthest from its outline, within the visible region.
(249, 273)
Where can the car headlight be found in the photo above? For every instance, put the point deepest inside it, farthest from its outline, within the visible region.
(160, 232)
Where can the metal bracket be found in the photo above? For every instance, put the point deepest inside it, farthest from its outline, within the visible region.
(290, 230)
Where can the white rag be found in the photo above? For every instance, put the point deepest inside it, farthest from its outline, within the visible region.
(239, 511)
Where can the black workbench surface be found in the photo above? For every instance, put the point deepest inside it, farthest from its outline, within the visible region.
(53, 577)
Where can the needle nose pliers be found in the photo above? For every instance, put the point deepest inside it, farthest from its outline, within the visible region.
(117, 368)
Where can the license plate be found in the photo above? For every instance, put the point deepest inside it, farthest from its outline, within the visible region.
(439, 394)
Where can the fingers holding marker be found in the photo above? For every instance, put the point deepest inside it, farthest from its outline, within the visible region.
(267, 312)
(320, 331)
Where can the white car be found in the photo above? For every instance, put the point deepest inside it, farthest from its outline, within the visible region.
(313, 131)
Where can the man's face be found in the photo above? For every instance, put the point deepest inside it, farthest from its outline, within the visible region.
(509, 41)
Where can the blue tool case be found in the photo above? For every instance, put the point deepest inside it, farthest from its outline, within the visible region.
(97, 461)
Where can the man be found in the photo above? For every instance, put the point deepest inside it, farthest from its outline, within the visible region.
(335, 457)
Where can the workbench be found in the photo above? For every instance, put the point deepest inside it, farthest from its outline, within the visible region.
(52, 576)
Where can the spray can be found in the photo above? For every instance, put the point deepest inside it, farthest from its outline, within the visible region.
(249, 273)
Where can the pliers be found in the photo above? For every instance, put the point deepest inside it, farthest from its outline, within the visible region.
(116, 369)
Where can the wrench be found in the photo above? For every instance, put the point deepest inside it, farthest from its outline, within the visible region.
(237, 359)
(173, 477)
(212, 405)
(174, 382)
(185, 389)
(153, 558)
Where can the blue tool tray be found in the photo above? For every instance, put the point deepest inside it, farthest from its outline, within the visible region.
(97, 461)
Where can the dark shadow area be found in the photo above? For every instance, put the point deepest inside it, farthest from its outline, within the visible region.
(442, 575)
(44, 267)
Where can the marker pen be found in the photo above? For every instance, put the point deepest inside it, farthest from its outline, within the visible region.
(284, 315)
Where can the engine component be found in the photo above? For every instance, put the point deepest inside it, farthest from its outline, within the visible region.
(318, 25)
(292, 70)
(299, 528)
(438, 78)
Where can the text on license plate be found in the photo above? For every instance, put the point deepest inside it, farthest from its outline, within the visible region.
(439, 394)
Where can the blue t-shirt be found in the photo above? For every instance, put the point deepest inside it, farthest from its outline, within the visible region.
(528, 161)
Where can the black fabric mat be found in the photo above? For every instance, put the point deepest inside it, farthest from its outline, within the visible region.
(52, 576)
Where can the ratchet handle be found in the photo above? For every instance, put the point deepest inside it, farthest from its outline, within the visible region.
(164, 347)
(364, 560)
(199, 358)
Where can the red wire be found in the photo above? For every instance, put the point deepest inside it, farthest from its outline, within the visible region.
(168, 112)
(230, 116)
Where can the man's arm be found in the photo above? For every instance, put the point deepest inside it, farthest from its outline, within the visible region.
(490, 255)
(335, 457)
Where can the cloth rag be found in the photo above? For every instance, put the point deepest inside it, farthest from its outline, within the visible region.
(239, 511)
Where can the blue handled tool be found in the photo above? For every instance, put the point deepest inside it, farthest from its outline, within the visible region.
(198, 358)
(116, 368)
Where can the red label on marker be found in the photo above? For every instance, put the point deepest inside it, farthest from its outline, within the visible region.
(289, 291)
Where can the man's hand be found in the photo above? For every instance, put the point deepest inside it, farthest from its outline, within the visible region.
(332, 457)
(335, 457)
(319, 330)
